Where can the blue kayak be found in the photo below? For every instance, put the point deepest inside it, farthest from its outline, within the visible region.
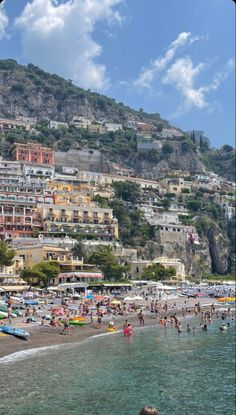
(22, 334)
(31, 302)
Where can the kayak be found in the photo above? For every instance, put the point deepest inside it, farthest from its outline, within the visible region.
(226, 299)
(31, 302)
(4, 314)
(79, 319)
(4, 309)
(78, 322)
(22, 334)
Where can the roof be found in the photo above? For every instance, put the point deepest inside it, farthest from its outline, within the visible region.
(15, 287)
(81, 275)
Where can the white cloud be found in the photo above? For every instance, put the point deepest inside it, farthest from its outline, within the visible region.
(148, 75)
(182, 75)
(219, 77)
(3, 22)
(58, 37)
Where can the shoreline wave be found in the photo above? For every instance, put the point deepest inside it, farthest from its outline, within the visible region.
(28, 353)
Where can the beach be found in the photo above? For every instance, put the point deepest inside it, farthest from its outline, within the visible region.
(43, 337)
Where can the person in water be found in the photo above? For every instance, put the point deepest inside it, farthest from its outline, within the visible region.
(149, 410)
(128, 330)
(141, 318)
(204, 328)
(111, 326)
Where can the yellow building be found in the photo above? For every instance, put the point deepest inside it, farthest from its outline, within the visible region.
(77, 219)
(178, 185)
(68, 186)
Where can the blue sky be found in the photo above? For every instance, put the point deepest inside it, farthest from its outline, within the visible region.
(174, 57)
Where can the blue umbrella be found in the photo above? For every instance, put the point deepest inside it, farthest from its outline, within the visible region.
(89, 296)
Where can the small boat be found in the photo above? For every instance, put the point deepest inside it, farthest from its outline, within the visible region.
(78, 322)
(4, 309)
(22, 334)
(230, 300)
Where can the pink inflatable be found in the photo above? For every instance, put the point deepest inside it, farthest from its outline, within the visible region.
(128, 331)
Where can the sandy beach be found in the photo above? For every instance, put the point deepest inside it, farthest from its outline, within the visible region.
(41, 337)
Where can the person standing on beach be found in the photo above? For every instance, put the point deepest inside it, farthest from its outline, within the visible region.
(66, 328)
(141, 318)
(9, 314)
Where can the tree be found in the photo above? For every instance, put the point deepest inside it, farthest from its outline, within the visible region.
(6, 255)
(102, 201)
(78, 250)
(194, 205)
(227, 148)
(108, 263)
(127, 191)
(157, 272)
(31, 276)
(193, 137)
(166, 203)
(167, 149)
(42, 273)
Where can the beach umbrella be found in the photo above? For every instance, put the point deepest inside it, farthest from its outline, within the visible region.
(89, 296)
(99, 297)
(115, 302)
(128, 298)
(138, 298)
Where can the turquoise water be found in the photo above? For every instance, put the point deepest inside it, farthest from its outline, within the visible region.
(181, 374)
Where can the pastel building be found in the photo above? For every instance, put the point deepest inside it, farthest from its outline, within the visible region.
(84, 220)
(137, 267)
(33, 153)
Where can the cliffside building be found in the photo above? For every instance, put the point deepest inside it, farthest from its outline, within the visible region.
(33, 153)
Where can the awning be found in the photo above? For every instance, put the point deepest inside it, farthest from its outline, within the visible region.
(15, 287)
(117, 285)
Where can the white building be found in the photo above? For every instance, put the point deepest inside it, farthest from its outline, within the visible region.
(228, 210)
(57, 124)
(113, 127)
(9, 168)
(81, 122)
(43, 172)
(137, 267)
(170, 133)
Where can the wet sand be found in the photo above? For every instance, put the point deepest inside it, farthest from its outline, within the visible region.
(41, 337)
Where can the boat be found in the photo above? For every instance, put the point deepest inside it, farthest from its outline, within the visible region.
(230, 300)
(78, 321)
(4, 309)
(22, 334)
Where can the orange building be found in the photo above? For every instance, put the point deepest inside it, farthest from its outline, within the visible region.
(33, 153)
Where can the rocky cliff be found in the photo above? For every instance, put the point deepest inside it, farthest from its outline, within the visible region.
(29, 91)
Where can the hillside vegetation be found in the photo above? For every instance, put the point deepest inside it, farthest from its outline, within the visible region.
(29, 91)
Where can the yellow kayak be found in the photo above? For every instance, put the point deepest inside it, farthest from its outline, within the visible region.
(227, 299)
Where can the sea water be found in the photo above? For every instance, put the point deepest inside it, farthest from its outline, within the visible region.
(180, 374)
